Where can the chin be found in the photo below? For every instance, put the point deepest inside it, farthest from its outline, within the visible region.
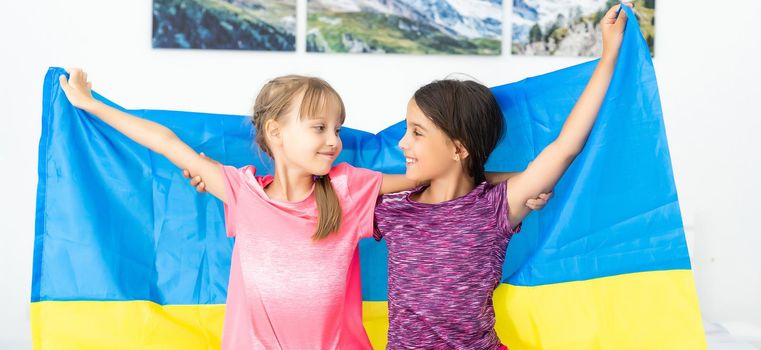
(322, 170)
(319, 168)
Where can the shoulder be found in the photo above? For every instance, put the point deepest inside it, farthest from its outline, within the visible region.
(247, 171)
(498, 188)
(491, 195)
(345, 176)
(348, 170)
(489, 191)
(394, 200)
(243, 177)
(340, 169)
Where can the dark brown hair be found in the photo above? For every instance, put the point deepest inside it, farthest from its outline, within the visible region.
(465, 111)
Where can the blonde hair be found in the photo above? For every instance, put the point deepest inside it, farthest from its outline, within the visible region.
(275, 100)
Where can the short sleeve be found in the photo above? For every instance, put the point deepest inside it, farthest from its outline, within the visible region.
(234, 179)
(498, 197)
(363, 187)
(379, 206)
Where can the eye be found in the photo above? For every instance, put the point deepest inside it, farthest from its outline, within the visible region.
(319, 127)
(416, 133)
(338, 130)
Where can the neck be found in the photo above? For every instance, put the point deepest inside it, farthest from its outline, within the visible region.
(447, 188)
(288, 185)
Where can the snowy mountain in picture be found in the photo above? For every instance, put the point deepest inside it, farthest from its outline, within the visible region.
(569, 27)
(526, 13)
(406, 20)
(470, 18)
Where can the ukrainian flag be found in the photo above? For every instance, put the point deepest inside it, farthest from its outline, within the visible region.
(128, 256)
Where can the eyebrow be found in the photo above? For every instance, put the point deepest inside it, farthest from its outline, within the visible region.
(323, 120)
(319, 119)
(419, 126)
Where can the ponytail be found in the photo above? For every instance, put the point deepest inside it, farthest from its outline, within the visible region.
(328, 208)
(275, 100)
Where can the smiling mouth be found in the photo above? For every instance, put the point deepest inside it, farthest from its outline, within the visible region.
(410, 161)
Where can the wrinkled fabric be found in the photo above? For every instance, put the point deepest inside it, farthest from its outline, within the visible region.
(116, 223)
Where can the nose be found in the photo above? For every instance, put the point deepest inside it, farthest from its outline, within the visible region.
(403, 143)
(332, 140)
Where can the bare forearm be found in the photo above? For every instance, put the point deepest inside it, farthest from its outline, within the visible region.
(145, 132)
(577, 127)
(544, 172)
(162, 140)
(393, 183)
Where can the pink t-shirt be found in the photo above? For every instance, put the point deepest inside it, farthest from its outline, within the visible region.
(287, 291)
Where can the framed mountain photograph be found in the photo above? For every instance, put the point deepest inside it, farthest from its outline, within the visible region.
(569, 27)
(264, 25)
(470, 27)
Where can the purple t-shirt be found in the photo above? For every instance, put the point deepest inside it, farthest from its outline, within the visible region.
(444, 262)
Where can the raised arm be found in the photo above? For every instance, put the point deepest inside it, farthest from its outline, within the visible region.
(494, 178)
(542, 174)
(155, 137)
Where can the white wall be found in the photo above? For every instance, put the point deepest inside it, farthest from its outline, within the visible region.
(707, 63)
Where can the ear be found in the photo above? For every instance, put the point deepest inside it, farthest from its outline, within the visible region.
(460, 151)
(272, 132)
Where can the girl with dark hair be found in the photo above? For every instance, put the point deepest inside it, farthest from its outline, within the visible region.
(447, 240)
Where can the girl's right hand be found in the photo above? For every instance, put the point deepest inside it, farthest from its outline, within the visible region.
(77, 89)
(197, 181)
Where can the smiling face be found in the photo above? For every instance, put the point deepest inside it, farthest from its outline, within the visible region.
(310, 142)
(297, 120)
(428, 151)
(452, 127)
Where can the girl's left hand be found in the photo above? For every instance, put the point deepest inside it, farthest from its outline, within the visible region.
(539, 202)
(613, 25)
